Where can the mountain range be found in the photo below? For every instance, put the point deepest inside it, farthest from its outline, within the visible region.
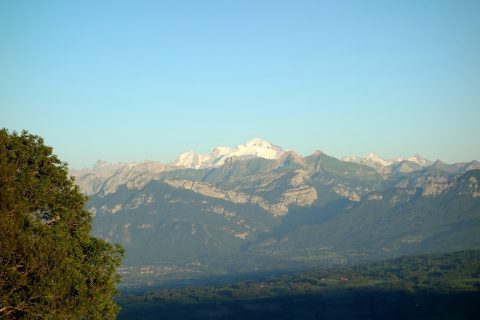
(257, 207)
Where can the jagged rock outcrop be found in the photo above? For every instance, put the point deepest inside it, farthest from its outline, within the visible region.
(302, 196)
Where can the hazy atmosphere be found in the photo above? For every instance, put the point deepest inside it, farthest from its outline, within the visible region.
(137, 80)
(239, 159)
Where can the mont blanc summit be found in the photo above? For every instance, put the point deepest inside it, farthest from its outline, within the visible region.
(218, 155)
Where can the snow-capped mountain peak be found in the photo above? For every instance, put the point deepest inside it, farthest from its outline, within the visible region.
(418, 160)
(258, 142)
(375, 161)
(218, 155)
(190, 159)
(375, 158)
(220, 150)
(258, 148)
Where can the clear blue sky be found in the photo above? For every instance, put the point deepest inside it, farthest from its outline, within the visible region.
(136, 80)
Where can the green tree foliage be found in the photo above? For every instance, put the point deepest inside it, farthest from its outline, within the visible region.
(50, 266)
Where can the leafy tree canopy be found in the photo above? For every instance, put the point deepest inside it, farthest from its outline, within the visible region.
(50, 266)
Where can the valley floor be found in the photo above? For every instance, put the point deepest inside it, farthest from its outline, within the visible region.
(443, 286)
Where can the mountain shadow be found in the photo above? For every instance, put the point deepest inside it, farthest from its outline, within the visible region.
(298, 217)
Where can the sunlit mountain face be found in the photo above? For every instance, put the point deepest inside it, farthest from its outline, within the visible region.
(258, 208)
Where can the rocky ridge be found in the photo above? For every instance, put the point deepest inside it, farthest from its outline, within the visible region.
(281, 208)
(280, 179)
